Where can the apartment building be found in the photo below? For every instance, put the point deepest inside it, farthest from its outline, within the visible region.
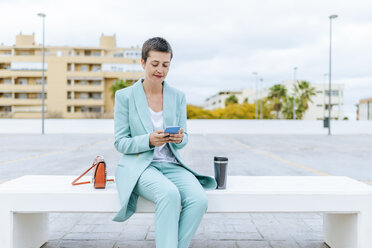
(77, 79)
(317, 110)
(365, 109)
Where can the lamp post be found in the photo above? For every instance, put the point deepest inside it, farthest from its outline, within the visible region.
(42, 15)
(256, 108)
(261, 96)
(294, 92)
(330, 71)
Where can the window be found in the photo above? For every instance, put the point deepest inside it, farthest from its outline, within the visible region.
(84, 68)
(40, 81)
(7, 109)
(96, 54)
(83, 109)
(96, 82)
(95, 95)
(69, 67)
(96, 68)
(7, 95)
(83, 82)
(68, 108)
(319, 92)
(40, 95)
(69, 82)
(319, 105)
(22, 81)
(95, 109)
(83, 96)
(334, 92)
(21, 96)
(7, 81)
(118, 55)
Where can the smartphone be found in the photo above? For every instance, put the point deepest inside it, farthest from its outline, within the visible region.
(172, 129)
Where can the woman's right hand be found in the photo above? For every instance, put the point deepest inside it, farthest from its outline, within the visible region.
(158, 138)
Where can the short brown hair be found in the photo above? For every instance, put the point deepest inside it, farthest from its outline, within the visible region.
(156, 44)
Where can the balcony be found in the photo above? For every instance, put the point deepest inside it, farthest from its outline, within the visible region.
(20, 101)
(86, 102)
(20, 88)
(85, 88)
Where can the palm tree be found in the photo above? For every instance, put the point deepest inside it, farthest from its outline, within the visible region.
(304, 91)
(287, 109)
(117, 85)
(277, 93)
(231, 99)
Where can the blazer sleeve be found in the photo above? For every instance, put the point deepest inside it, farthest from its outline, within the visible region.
(124, 142)
(182, 123)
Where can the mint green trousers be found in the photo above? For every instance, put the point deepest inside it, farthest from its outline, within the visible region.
(171, 186)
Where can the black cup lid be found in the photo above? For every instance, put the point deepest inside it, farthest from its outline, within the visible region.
(220, 158)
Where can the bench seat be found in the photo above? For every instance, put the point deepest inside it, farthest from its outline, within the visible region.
(346, 204)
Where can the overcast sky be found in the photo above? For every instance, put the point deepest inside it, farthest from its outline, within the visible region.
(218, 44)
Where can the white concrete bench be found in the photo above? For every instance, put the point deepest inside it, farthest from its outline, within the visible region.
(346, 204)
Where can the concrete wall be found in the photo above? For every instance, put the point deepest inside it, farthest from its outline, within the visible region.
(9, 126)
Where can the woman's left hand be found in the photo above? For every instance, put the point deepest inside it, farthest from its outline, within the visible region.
(177, 137)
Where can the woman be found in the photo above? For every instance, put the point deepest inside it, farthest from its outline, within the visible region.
(151, 166)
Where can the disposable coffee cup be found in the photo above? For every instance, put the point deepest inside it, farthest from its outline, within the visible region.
(220, 171)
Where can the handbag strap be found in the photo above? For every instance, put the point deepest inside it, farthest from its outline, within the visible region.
(77, 179)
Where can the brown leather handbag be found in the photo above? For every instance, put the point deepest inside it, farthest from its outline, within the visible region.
(99, 178)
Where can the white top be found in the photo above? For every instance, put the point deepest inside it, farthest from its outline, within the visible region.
(162, 153)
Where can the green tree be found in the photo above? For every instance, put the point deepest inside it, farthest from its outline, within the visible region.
(195, 112)
(287, 109)
(119, 84)
(231, 99)
(304, 92)
(276, 95)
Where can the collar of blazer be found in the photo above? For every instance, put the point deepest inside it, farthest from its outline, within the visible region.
(143, 107)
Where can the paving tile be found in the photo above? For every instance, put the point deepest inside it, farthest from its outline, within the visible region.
(274, 233)
(134, 233)
(82, 228)
(245, 228)
(108, 228)
(252, 244)
(86, 244)
(305, 236)
(62, 225)
(284, 244)
(232, 236)
(51, 244)
(312, 244)
(92, 235)
(56, 235)
(135, 244)
(96, 218)
(221, 244)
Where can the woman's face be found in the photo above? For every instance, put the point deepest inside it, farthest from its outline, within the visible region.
(156, 66)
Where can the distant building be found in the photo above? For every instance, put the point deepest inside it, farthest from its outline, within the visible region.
(77, 78)
(365, 109)
(317, 110)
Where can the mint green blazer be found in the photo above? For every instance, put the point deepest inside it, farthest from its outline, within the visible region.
(133, 127)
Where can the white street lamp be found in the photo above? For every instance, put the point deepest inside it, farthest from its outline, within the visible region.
(330, 71)
(294, 92)
(256, 109)
(42, 15)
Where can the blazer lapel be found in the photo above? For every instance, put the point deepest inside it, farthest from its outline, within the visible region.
(142, 106)
(168, 106)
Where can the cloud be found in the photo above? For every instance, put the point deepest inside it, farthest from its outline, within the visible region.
(218, 44)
